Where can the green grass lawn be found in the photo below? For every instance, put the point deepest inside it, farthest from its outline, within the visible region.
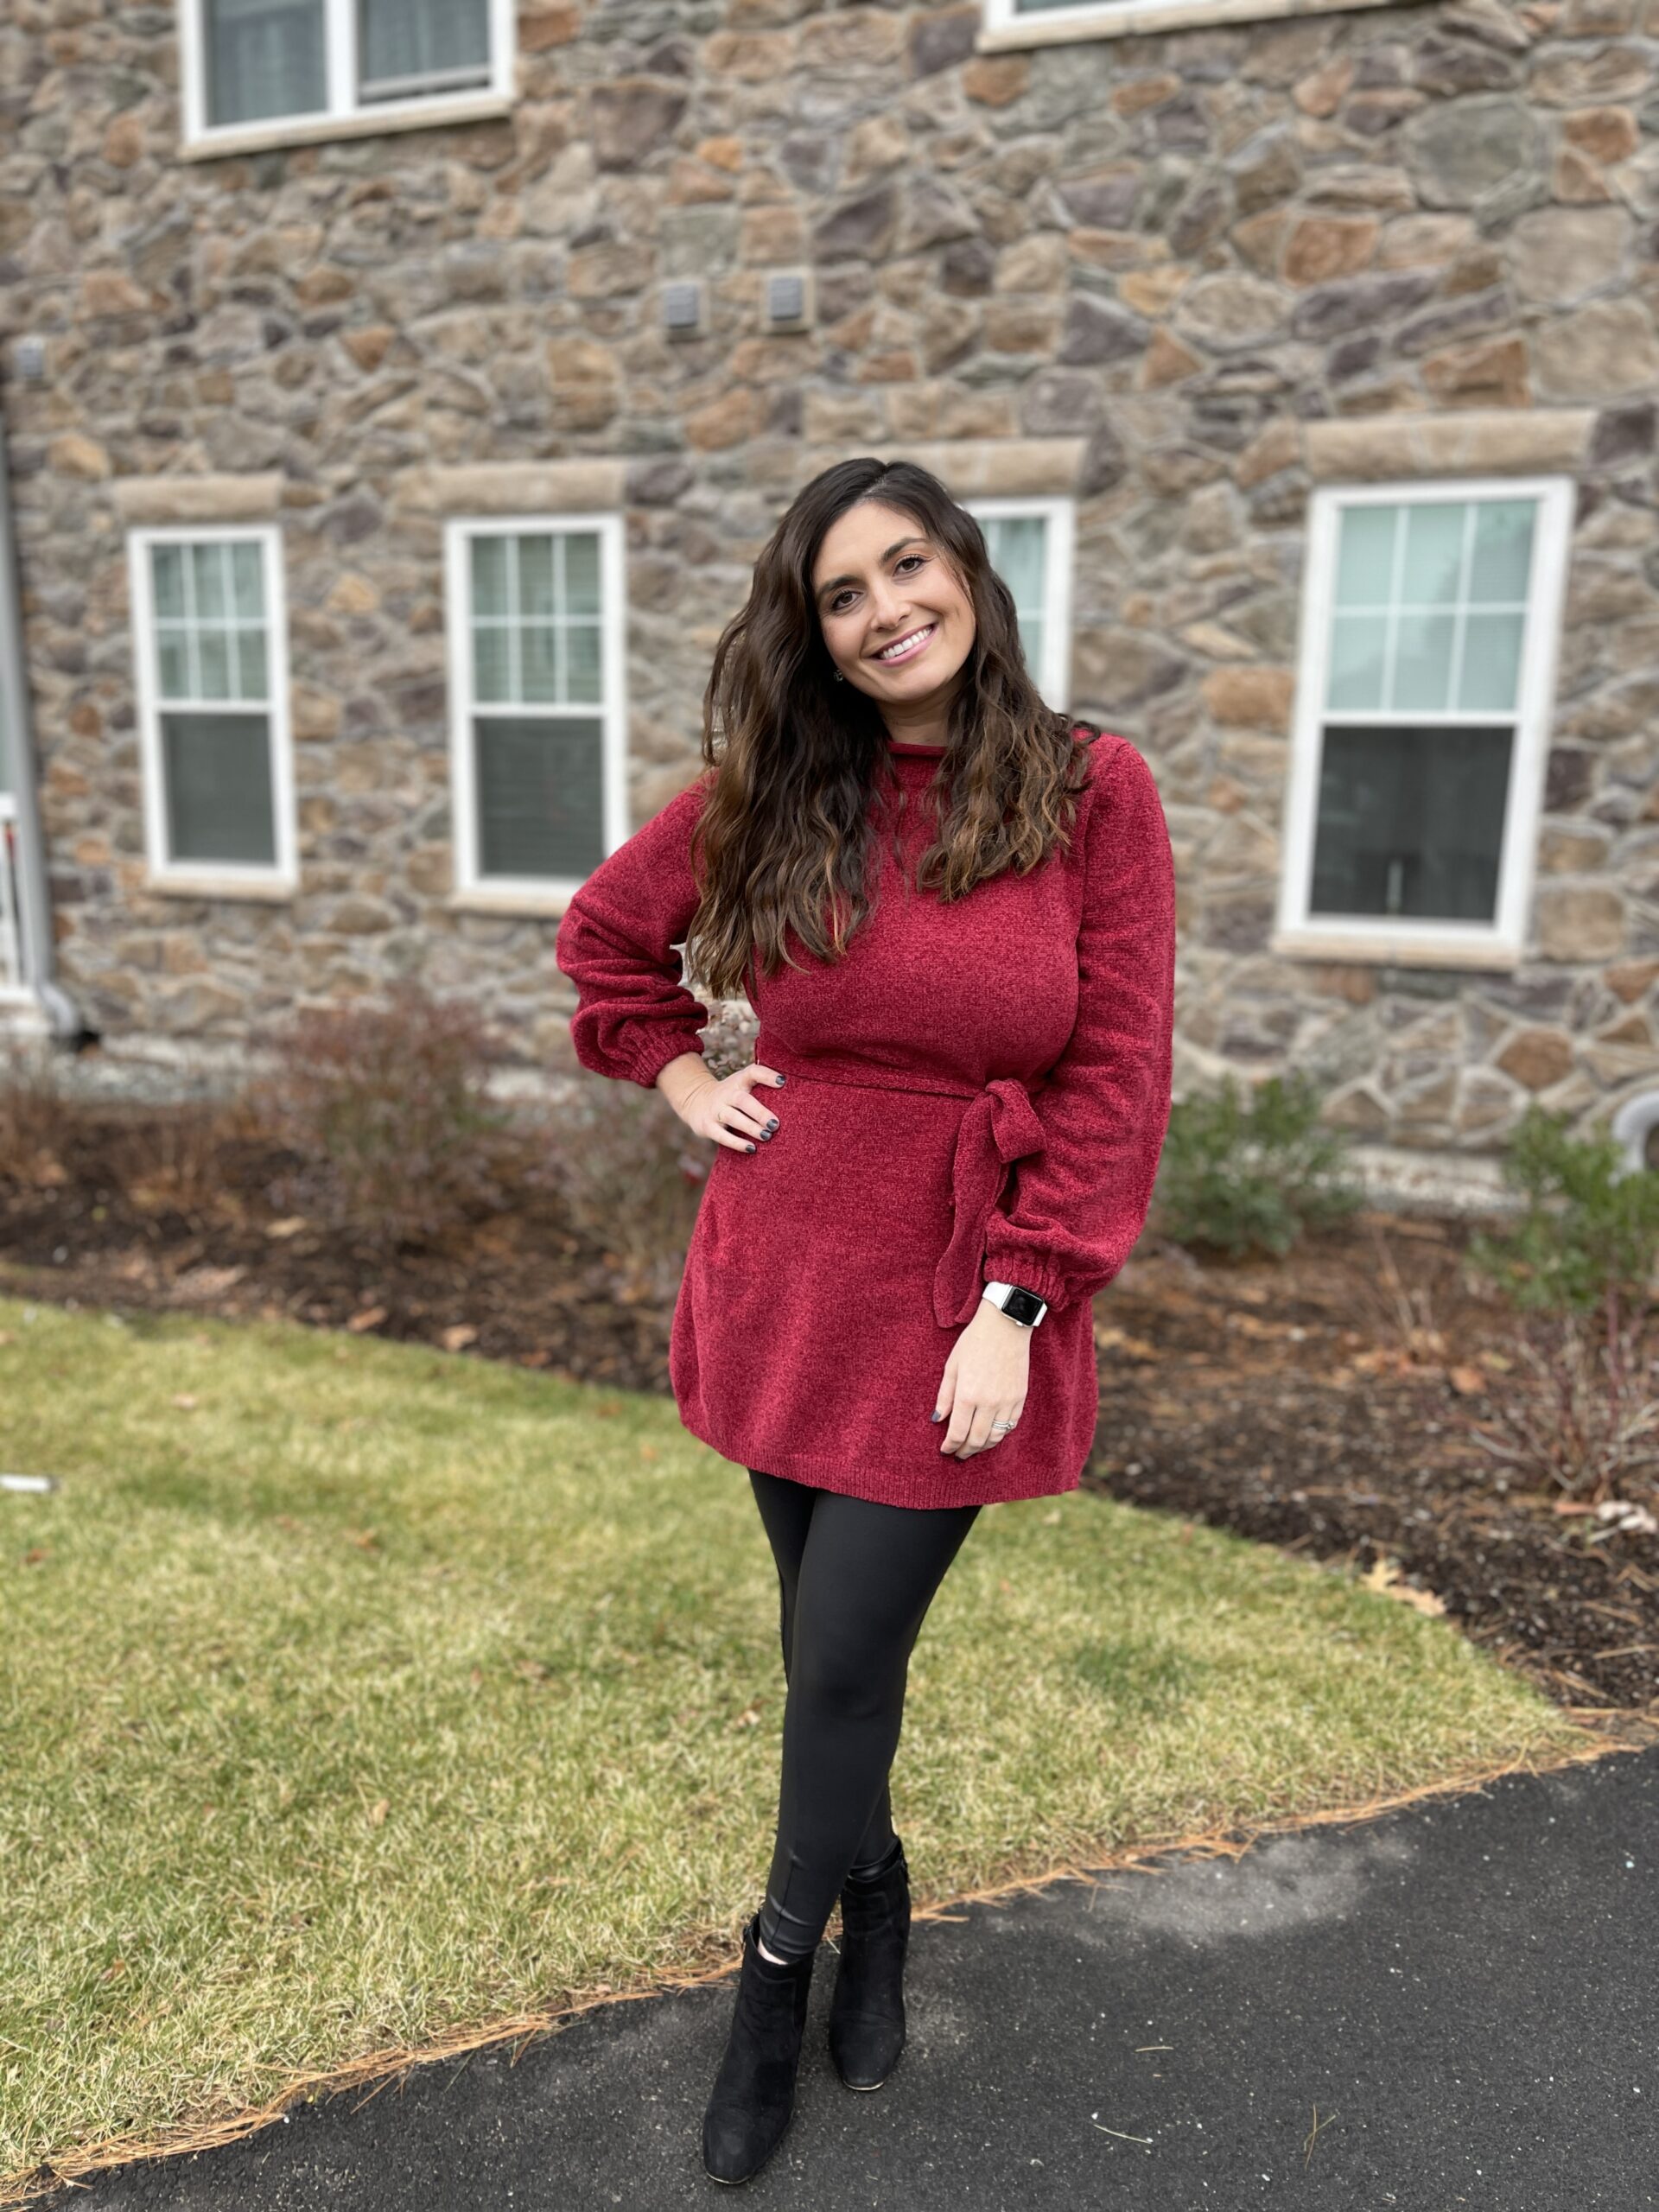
(353, 1693)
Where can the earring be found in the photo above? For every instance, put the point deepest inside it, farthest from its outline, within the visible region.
(838, 676)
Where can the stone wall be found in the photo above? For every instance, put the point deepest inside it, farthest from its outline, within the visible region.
(1209, 266)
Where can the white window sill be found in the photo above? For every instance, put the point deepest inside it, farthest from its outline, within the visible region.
(531, 901)
(1128, 18)
(364, 122)
(1394, 952)
(272, 890)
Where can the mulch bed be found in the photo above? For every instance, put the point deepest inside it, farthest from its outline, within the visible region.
(1324, 1402)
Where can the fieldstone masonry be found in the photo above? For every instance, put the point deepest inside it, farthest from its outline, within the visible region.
(1185, 276)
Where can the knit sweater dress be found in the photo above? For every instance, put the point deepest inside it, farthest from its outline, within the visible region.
(976, 1092)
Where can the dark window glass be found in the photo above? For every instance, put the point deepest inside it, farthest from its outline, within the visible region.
(264, 58)
(408, 46)
(1411, 822)
(216, 769)
(540, 795)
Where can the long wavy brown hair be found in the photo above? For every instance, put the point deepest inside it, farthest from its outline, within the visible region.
(786, 835)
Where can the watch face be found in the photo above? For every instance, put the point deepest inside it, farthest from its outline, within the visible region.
(1023, 1306)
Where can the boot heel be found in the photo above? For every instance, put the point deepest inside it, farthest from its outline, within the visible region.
(753, 2096)
(867, 2009)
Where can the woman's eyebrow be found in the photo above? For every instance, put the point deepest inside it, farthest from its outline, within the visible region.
(897, 546)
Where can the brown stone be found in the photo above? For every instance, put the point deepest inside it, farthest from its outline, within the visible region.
(1493, 375)
(724, 421)
(1018, 326)
(1166, 361)
(772, 236)
(368, 345)
(71, 454)
(123, 142)
(111, 291)
(1629, 1029)
(549, 27)
(1559, 255)
(1423, 241)
(854, 38)
(1323, 91)
(995, 79)
(586, 386)
(1135, 95)
(1630, 978)
(1602, 133)
(1250, 698)
(1577, 181)
(1322, 246)
(1536, 1058)
(1337, 980)
(1279, 446)
(1149, 291)
(1260, 240)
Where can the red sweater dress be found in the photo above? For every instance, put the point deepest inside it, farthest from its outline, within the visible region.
(976, 1092)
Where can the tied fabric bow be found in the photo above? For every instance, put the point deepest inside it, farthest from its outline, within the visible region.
(999, 1127)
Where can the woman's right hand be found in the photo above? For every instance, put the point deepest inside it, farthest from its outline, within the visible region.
(721, 1109)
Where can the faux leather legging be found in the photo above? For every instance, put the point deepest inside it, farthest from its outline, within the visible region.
(855, 1580)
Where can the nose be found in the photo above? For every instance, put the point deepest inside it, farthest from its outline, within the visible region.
(888, 609)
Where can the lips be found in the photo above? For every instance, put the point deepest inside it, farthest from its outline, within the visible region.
(916, 642)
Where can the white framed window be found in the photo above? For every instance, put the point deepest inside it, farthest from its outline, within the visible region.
(1030, 543)
(538, 719)
(1431, 614)
(309, 68)
(210, 632)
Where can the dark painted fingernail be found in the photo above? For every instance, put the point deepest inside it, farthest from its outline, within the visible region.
(934, 1416)
(772, 1124)
(779, 1078)
(749, 1147)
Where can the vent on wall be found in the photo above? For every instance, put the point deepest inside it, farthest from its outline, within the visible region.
(682, 308)
(789, 300)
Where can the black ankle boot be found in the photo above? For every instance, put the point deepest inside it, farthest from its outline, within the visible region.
(754, 2090)
(866, 2011)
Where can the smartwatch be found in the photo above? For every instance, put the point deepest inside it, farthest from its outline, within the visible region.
(1021, 1306)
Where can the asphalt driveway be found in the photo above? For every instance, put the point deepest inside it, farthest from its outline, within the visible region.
(1454, 2004)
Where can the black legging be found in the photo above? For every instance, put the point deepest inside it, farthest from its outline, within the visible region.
(857, 1579)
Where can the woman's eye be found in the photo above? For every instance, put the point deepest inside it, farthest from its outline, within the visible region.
(838, 602)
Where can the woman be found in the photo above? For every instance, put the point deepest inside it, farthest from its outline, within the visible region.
(953, 911)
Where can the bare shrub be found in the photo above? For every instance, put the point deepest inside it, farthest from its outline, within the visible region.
(631, 1175)
(386, 1109)
(1579, 1415)
(32, 1116)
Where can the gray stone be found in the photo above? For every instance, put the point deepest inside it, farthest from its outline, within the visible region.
(860, 228)
(1560, 255)
(1096, 332)
(1358, 302)
(1458, 152)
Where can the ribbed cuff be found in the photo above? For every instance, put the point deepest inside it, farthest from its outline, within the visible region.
(652, 1062)
(1030, 1274)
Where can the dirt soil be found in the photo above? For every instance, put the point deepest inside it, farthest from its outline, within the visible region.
(1326, 1402)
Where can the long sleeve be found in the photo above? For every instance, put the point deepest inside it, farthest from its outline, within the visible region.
(615, 942)
(1077, 1207)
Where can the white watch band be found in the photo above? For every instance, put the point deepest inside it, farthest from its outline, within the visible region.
(998, 1295)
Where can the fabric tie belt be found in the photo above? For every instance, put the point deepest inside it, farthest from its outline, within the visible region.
(1000, 1126)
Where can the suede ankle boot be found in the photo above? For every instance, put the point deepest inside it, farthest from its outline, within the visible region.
(867, 2010)
(754, 2090)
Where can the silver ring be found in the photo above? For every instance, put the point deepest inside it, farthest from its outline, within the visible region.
(997, 1425)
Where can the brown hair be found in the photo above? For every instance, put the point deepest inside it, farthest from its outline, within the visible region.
(784, 834)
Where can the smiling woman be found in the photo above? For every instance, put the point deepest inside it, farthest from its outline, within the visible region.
(953, 911)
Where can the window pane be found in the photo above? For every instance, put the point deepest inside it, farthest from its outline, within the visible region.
(490, 575)
(1358, 646)
(582, 572)
(173, 642)
(401, 39)
(247, 596)
(1491, 663)
(540, 798)
(208, 564)
(264, 57)
(166, 579)
(492, 663)
(216, 769)
(213, 664)
(250, 649)
(1422, 663)
(1411, 822)
(536, 577)
(538, 644)
(1433, 564)
(1502, 560)
(1365, 557)
(581, 662)
(1016, 546)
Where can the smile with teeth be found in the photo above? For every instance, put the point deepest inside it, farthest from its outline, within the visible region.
(902, 648)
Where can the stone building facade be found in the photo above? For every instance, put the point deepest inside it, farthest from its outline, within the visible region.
(1247, 310)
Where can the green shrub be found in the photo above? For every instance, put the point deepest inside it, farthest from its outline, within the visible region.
(1250, 1172)
(1587, 1224)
